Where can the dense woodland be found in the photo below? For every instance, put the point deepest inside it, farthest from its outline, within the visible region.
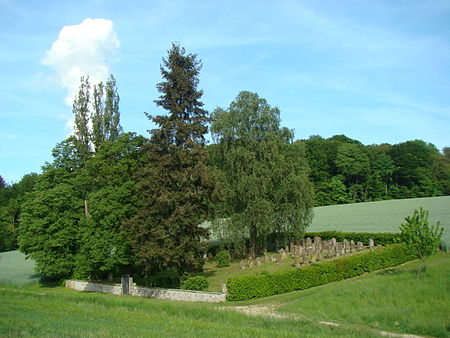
(113, 201)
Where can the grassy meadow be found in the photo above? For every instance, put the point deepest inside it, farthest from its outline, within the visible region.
(39, 311)
(392, 300)
(381, 216)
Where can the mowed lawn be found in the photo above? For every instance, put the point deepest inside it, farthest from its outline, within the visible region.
(382, 216)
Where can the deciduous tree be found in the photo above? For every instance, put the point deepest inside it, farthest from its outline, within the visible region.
(266, 184)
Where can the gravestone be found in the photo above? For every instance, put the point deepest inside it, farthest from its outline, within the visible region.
(125, 281)
(258, 261)
(360, 246)
(371, 244)
(333, 242)
(242, 265)
(308, 242)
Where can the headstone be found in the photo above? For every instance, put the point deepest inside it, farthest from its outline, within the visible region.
(317, 239)
(250, 262)
(266, 258)
(273, 258)
(282, 253)
(319, 257)
(371, 244)
(242, 265)
(333, 242)
(352, 246)
(338, 249)
(308, 242)
(258, 261)
(298, 261)
(360, 246)
(278, 257)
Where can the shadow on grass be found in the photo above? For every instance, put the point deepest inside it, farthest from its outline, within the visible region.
(50, 282)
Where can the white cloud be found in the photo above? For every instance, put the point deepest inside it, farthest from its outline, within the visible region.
(80, 50)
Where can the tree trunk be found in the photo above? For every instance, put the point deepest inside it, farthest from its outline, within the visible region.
(86, 209)
(253, 234)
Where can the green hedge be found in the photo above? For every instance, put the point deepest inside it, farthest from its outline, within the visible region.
(383, 238)
(196, 283)
(266, 284)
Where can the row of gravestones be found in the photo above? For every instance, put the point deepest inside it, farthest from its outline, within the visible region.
(309, 251)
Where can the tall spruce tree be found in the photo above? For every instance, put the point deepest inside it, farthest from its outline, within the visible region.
(177, 186)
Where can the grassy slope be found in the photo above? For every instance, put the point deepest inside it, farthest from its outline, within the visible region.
(393, 300)
(58, 312)
(16, 270)
(382, 216)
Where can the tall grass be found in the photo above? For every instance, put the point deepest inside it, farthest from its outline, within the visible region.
(382, 216)
(394, 299)
(56, 312)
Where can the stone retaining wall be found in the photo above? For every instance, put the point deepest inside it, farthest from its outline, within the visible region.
(79, 285)
(169, 294)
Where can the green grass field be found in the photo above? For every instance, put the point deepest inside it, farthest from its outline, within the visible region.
(16, 270)
(392, 300)
(34, 311)
(382, 216)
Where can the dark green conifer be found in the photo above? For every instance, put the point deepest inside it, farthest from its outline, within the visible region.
(177, 186)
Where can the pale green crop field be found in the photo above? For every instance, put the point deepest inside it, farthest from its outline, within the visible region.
(16, 270)
(382, 216)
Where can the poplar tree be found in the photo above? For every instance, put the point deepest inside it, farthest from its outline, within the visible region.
(177, 186)
(105, 115)
(80, 109)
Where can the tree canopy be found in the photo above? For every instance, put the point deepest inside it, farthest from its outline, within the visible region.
(266, 186)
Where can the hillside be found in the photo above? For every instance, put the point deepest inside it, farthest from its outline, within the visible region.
(381, 216)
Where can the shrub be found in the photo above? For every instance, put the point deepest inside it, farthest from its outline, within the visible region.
(196, 283)
(266, 284)
(421, 239)
(223, 259)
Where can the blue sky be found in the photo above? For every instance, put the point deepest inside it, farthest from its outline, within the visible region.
(376, 71)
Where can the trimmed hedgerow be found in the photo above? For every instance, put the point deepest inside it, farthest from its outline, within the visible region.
(266, 284)
(383, 238)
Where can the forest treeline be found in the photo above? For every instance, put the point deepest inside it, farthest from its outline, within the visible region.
(114, 201)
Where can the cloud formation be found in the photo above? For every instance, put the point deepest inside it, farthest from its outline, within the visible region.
(80, 50)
